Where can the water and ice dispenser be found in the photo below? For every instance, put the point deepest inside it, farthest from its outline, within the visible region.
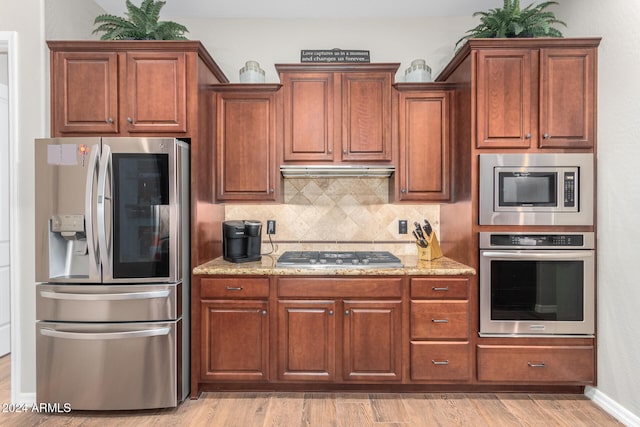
(68, 249)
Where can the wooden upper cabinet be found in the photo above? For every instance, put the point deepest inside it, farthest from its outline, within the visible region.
(424, 170)
(128, 87)
(308, 102)
(366, 116)
(84, 93)
(245, 135)
(536, 97)
(337, 112)
(504, 98)
(567, 98)
(156, 92)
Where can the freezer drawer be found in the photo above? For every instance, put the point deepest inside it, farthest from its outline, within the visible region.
(113, 303)
(108, 366)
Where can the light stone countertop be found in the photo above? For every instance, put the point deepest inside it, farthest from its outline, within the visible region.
(412, 267)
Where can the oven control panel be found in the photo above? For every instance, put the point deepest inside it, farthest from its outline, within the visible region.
(537, 240)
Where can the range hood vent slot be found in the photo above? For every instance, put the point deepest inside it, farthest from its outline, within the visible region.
(337, 171)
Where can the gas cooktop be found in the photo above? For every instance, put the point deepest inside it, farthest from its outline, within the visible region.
(328, 259)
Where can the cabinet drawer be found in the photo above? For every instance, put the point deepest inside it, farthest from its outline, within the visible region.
(536, 363)
(439, 320)
(370, 287)
(457, 288)
(440, 361)
(234, 288)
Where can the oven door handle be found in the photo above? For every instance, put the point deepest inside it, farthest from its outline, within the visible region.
(555, 255)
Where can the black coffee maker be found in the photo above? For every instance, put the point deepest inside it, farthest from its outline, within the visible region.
(241, 240)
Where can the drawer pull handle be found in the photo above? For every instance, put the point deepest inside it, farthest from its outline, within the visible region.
(535, 365)
(440, 320)
(440, 362)
(440, 289)
(231, 288)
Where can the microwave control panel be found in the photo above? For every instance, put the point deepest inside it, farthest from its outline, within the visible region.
(569, 189)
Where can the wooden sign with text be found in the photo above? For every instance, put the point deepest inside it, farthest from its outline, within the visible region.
(334, 55)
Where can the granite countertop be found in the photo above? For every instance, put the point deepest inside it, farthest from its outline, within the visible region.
(267, 266)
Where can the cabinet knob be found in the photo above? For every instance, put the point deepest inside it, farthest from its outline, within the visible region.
(110, 120)
(546, 136)
(344, 151)
(330, 312)
(129, 120)
(347, 312)
(527, 136)
(271, 190)
(403, 190)
(329, 151)
(264, 312)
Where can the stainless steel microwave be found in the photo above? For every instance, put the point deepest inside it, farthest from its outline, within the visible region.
(536, 189)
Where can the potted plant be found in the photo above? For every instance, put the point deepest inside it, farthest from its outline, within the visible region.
(511, 21)
(142, 23)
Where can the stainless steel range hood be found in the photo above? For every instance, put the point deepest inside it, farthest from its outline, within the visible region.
(337, 171)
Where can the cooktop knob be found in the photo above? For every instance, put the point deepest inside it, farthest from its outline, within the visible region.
(313, 260)
(365, 261)
(339, 261)
(323, 261)
(355, 261)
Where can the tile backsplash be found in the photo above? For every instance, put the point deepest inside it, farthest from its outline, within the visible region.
(319, 212)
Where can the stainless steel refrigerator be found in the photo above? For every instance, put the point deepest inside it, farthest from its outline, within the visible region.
(112, 266)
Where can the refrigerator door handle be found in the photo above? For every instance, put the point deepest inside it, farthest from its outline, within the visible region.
(145, 333)
(88, 209)
(105, 297)
(103, 242)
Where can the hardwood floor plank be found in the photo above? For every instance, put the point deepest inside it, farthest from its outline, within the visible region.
(442, 409)
(388, 408)
(350, 414)
(574, 410)
(527, 411)
(319, 410)
(285, 410)
(492, 410)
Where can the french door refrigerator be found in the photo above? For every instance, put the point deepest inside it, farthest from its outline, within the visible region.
(112, 272)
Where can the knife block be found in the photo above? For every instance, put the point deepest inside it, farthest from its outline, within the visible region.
(432, 251)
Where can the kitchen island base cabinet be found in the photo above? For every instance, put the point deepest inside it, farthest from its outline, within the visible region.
(536, 364)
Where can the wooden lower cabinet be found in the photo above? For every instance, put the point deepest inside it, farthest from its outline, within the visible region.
(235, 341)
(536, 364)
(440, 361)
(309, 336)
(306, 340)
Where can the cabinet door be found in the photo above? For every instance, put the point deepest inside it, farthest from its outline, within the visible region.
(309, 121)
(306, 341)
(372, 343)
(506, 106)
(567, 98)
(156, 92)
(235, 341)
(424, 167)
(245, 146)
(366, 116)
(84, 96)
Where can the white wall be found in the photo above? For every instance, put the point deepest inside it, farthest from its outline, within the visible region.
(619, 183)
(232, 42)
(26, 18)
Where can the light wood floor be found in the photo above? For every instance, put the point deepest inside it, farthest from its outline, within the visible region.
(336, 410)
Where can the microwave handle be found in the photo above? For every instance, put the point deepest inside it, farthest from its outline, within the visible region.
(555, 255)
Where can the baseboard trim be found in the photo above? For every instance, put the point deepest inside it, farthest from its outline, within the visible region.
(25, 399)
(612, 407)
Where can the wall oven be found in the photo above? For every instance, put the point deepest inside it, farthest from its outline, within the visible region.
(536, 189)
(537, 284)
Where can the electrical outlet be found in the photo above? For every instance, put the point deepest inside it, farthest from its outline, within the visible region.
(271, 226)
(402, 226)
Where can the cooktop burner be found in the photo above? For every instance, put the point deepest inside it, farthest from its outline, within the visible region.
(329, 259)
